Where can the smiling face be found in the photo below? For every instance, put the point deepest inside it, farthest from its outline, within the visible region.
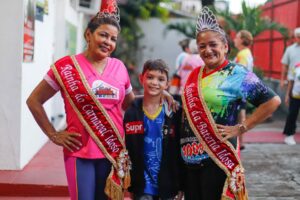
(102, 42)
(212, 48)
(154, 82)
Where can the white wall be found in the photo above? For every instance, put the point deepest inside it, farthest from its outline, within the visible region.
(157, 45)
(20, 136)
(32, 138)
(10, 82)
(50, 45)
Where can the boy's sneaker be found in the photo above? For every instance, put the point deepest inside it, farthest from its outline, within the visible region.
(289, 140)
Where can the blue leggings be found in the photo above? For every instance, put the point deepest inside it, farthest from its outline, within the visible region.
(87, 177)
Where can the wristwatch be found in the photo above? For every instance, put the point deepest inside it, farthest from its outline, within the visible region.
(242, 128)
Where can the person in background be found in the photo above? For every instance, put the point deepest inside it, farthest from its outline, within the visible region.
(96, 89)
(152, 138)
(175, 81)
(290, 66)
(184, 44)
(292, 100)
(189, 63)
(242, 41)
(290, 57)
(211, 99)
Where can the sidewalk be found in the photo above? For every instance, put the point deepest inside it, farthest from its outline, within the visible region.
(272, 171)
(44, 176)
(270, 131)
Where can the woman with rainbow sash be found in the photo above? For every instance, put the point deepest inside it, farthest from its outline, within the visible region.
(96, 89)
(211, 98)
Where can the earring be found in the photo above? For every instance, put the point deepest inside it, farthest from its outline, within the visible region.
(88, 44)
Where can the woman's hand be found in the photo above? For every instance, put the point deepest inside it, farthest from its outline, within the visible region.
(179, 196)
(229, 131)
(66, 139)
(172, 104)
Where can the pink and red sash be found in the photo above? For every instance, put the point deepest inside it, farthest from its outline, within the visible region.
(204, 127)
(97, 123)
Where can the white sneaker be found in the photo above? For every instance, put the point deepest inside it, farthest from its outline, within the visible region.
(289, 140)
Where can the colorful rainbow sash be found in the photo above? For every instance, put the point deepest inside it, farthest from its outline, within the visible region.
(204, 127)
(97, 123)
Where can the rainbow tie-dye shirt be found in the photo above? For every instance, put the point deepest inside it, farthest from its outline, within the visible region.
(224, 91)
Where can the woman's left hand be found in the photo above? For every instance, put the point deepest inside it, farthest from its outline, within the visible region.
(228, 131)
(179, 196)
(171, 101)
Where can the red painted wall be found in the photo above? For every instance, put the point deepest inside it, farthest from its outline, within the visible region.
(269, 46)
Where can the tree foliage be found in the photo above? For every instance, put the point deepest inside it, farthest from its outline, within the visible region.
(131, 33)
(207, 2)
(186, 28)
(250, 19)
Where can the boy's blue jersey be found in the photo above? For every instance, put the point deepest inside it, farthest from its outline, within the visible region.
(153, 127)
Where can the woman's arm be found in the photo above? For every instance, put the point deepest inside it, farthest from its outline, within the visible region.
(261, 113)
(128, 100)
(35, 101)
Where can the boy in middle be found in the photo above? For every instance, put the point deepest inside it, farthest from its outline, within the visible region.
(152, 139)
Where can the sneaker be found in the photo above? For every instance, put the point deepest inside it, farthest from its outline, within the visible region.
(289, 140)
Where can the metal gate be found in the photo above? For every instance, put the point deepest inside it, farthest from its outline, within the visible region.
(269, 46)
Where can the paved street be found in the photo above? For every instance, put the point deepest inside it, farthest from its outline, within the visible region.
(272, 168)
(272, 171)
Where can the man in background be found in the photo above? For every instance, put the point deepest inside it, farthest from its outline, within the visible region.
(291, 66)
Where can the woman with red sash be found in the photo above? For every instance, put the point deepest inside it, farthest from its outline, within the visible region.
(211, 99)
(96, 89)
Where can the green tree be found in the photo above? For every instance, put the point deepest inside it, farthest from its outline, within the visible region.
(250, 19)
(207, 2)
(131, 33)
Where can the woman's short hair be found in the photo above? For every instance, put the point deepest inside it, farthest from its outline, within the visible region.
(246, 37)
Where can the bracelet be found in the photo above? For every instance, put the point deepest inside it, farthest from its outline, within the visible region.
(242, 128)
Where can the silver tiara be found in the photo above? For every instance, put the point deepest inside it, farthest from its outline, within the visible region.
(111, 11)
(208, 21)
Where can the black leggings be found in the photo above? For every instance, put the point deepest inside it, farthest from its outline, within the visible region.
(205, 182)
